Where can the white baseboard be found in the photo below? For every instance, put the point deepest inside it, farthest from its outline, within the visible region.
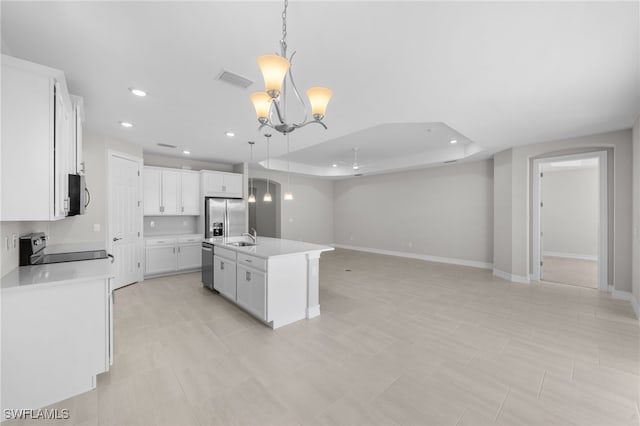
(450, 260)
(570, 255)
(627, 295)
(520, 279)
(636, 306)
(313, 311)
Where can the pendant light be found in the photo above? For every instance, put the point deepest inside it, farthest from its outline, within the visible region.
(267, 195)
(252, 197)
(288, 195)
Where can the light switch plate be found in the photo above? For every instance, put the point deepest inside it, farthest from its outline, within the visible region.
(96, 227)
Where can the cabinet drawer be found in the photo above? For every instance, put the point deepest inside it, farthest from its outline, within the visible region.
(160, 242)
(190, 240)
(226, 253)
(252, 261)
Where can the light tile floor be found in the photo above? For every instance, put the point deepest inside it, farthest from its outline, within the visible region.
(399, 341)
(580, 272)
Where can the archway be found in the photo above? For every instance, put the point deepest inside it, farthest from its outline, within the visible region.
(264, 217)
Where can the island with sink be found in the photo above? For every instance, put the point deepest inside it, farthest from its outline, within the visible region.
(275, 280)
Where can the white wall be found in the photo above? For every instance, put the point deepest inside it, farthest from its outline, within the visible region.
(184, 162)
(636, 217)
(309, 216)
(502, 172)
(76, 229)
(444, 212)
(519, 205)
(570, 217)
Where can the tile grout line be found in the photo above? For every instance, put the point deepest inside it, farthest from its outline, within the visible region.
(502, 406)
(461, 416)
(541, 384)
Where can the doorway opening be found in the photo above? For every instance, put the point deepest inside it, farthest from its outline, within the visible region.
(264, 217)
(570, 220)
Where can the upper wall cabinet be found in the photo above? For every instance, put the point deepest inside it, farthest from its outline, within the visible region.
(221, 184)
(171, 192)
(38, 141)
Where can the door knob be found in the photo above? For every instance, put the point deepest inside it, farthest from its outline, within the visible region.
(116, 239)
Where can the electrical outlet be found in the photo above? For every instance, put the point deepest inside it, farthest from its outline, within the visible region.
(410, 244)
(96, 227)
(351, 238)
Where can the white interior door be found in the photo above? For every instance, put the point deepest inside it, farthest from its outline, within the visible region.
(125, 218)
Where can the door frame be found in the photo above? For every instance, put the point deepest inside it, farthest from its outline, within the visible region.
(140, 244)
(603, 229)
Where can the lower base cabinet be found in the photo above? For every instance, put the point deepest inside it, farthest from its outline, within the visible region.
(252, 291)
(170, 255)
(224, 276)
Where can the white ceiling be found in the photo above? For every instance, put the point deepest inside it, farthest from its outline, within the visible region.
(501, 74)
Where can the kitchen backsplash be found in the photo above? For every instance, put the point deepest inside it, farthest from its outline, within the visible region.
(170, 225)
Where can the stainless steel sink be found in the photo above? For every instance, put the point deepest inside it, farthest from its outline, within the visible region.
(241, 244)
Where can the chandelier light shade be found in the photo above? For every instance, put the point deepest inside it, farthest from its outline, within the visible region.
(262, 104)
(270, 105)
(274, 68)
(319, 98)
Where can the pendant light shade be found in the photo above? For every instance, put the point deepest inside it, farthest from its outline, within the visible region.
(288, 196)
(251, 199)
(319, 98)
(262, 103)
(273, 68)
(267, 197)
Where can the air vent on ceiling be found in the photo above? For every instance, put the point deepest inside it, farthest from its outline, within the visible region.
(166, 145)
(235, 79)
(358, 174)
(450, 161)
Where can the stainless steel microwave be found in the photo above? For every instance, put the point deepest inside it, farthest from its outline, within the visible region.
(79, 196)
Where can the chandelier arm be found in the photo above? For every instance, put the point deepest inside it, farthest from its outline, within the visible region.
(295, 88)
(306, 123)
(277, 108)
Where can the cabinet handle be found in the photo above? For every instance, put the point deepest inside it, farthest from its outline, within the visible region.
(248, 276)
(224, 188)
(222, 266)
(178, 249)
(182, 209)
(174, 249)
(248, 260)
(161, 209)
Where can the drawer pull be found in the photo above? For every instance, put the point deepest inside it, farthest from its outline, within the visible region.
(248, 276)
(222, 266)
(248, 260)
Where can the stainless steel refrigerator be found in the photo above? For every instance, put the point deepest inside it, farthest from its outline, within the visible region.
(224, 217)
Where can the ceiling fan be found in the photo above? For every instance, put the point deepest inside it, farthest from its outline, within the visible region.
(355, 165)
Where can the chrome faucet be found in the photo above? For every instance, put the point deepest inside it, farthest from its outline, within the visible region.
(253, 235)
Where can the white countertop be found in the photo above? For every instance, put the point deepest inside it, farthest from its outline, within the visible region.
(173, 236)
(56, 273)
(271, 247)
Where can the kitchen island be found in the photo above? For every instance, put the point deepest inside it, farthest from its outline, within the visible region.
(276, 280)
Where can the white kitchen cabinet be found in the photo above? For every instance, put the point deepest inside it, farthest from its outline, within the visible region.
(221, 184)
(224, 276)
(172, 254)
(252, 291)
(171, 192)
(189, 255)
(37, 145)
(152, 191)
(190, 193)
(76, 129)
(160, 257)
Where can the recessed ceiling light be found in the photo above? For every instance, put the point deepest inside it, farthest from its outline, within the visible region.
(453, 141)
(138, 92)
(334, 165)
(185, 152)
(230, 134)
(126, 124)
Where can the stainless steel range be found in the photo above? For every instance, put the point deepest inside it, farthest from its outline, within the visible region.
(32, 252)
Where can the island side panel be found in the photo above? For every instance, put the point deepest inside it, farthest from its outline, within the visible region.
(313, 284)
(287, 289)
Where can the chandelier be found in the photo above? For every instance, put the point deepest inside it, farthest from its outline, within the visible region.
(272, 101)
